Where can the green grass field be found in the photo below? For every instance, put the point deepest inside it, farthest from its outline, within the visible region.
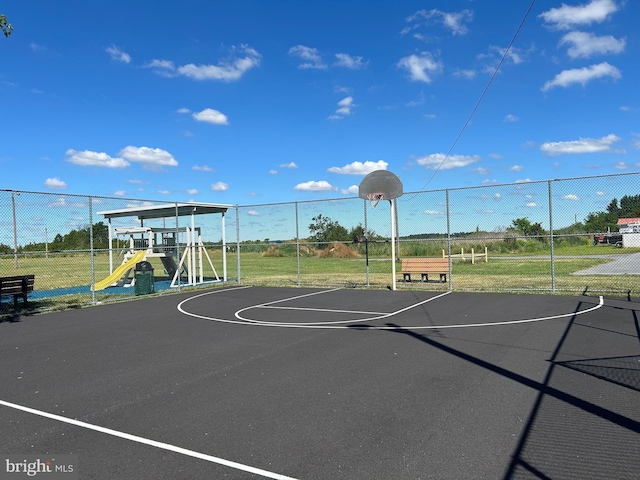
(515, 272)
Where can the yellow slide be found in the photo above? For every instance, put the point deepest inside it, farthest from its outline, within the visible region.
(120, 271)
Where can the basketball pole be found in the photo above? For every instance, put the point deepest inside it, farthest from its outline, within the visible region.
(393, 244)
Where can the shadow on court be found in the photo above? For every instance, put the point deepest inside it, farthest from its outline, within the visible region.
(571, 431)
(308, 384)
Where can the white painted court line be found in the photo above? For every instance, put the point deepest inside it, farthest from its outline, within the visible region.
(335, 325)
(337, 322)
(146, 441)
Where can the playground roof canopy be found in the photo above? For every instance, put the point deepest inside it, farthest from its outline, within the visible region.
(166, 210)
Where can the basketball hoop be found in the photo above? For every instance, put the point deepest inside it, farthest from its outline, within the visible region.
(374, 198)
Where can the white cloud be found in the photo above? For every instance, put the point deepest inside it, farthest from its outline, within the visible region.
(433, 212)
(566, 16)
(523, 180)
(434, 160)
(88, 158)
(571, 197)
(347, 61)
(360, 168)
(37, 48)
(352, 190)
(192, 191)
(219, 187)
(531, 204)
(583, 145)
(55, 183)
(253, 213)
(421, 67)
(155, 157)
(202, 168)
(454, 21)
(209, 115)
(620, 165)
(313, 186)
(600, 194)
(584, 45)
(117, 54)
(344, 108)
(311, 57)
(241, 60)
(467, 74)
(273, 172)
(511, 118)
(516, 168)
(183, 110)
(288, 165)
(120, 193)
(495, 196)
(582, 75)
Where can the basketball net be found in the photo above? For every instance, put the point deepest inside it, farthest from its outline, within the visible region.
(374, 198)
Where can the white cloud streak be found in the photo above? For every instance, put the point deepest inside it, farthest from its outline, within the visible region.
(242, 59)
(209, 115)
(313, 186)
(583, 76)
(310, 56)
(585, 45)
(116, 54)
(434, 160)
(583, 145)
(567, 16)
(422, 67)
(359, 168)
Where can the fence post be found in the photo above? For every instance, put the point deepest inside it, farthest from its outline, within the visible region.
(238, 242)
(366, 242)
(15, 230)
(449, 237)
(91, 252)
(553, 264)
(297, 244)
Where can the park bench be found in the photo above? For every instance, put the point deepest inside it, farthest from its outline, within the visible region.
(424, 266)
(18, 286)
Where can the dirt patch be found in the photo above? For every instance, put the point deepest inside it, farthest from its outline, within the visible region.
(338, 250)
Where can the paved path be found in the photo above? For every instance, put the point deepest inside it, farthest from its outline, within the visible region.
(621, 264)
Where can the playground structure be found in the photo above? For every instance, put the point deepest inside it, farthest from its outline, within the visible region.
(183, 261)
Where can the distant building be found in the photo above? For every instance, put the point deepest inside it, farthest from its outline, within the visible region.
(630, 230)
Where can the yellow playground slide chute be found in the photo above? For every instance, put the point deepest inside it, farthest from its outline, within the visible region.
(119, 272)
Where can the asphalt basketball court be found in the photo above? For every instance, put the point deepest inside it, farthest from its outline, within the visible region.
(257, 382)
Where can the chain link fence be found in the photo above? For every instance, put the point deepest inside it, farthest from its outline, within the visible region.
(547, 236)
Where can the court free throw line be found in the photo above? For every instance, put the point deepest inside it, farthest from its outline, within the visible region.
(146, 441)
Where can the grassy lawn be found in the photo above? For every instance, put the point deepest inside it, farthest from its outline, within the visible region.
(502, 273)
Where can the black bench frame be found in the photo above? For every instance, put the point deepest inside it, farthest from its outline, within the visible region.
(19, 286)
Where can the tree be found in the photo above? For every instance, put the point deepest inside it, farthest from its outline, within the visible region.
(528, 229)
(601, 222)
(358, 234)
(5, 26)
(629, 206)
(324, 230)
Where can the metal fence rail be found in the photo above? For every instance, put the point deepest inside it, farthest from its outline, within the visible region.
(64, 241)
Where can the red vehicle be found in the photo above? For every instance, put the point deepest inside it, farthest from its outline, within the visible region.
(608, 238)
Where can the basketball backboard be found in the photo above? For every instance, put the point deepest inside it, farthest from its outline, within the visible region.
(380, 185)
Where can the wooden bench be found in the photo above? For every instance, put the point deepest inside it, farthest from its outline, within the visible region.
(424, 266)
(18, 286)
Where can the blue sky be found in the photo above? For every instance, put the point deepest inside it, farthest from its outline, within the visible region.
(251, 102)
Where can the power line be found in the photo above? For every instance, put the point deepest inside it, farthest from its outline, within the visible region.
(484, 92)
